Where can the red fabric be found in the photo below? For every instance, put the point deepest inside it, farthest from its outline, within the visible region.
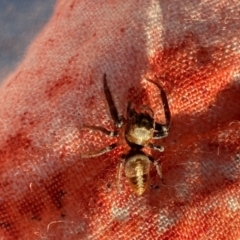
(192, 49)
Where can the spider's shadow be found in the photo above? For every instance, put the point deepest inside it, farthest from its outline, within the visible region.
(213, 165)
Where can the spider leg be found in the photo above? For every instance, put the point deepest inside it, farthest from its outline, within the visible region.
(103, 130)
(119, 173)
(100, 152)
(158, 168)
(129, 110)
(162, 129)
(156, 147)
(117, 119)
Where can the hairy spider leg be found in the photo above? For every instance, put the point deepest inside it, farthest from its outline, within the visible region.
(104, 150)
(162, 130)
(102, 129)
(117, 119)
(158, 167)
(100, 152)
(156, 147)
(118, 122)
(130, 111)
(119, 172)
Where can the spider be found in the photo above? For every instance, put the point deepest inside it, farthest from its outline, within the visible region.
(139, 129)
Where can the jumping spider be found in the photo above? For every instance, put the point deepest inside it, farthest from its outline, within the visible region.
(139, 129)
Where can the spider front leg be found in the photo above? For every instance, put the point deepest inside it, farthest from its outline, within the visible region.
(117, 119)
(162, 130)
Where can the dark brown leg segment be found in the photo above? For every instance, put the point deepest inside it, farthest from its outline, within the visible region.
(102, 129)
(118, 120)
(162, 129)
(100, 152)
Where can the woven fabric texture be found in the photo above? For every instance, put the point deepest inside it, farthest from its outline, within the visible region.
(191, 48)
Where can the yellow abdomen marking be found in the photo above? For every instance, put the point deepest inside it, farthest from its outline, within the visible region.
(137, 171)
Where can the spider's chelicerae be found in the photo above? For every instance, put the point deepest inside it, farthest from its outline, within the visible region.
(139, 130)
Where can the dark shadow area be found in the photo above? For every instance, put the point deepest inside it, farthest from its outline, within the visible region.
(203, 160)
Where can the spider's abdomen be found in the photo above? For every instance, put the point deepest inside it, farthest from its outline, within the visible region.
(137, 172)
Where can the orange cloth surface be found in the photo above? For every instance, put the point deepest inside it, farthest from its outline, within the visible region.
(192, 49)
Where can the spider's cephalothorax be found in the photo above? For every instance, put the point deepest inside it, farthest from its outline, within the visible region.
(139, 128)
(139, 131)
